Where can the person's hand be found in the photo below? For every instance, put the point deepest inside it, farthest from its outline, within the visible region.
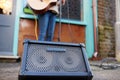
(63, 2)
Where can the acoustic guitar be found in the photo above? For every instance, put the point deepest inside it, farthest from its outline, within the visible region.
(41, 6)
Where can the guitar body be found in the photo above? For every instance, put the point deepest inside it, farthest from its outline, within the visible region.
(41, 6)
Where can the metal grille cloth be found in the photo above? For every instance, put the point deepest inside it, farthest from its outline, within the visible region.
(41, 58)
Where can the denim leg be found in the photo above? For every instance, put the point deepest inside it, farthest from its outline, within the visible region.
(51, 27)
(43, 20)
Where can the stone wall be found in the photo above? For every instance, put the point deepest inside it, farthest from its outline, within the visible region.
(106, 22)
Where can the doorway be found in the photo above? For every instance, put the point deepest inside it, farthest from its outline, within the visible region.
(7, 24)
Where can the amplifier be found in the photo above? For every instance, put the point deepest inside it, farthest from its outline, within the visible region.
(54, 60)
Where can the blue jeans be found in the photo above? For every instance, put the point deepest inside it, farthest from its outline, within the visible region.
(46, 26)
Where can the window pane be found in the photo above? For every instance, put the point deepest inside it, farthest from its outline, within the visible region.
(6, 7)
(72, 10)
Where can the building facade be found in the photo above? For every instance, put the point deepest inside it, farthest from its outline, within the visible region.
(92, 23)
(80, 21)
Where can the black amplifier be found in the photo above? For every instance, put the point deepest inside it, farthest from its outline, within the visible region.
(42, 60)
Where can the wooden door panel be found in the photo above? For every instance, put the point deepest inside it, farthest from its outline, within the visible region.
(69, 33)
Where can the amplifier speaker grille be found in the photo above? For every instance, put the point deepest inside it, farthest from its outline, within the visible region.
(50, 58)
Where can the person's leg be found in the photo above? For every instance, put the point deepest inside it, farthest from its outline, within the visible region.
(43, 24)
(51, 27)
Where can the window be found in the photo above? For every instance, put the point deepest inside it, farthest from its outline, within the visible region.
(72, 10)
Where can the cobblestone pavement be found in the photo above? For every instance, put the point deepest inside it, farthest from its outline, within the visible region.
(10, 71)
